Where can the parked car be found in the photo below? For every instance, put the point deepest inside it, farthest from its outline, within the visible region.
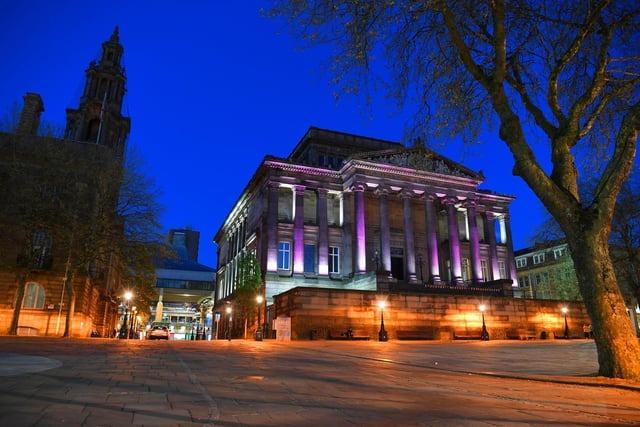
(158, 331)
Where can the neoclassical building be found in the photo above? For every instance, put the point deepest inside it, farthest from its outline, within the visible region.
(353, 212)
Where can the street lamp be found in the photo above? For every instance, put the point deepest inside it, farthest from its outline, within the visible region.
(565, 310)
(382, 334)
(229, 310)
(259, 301)
(484, 335)
(124, 330)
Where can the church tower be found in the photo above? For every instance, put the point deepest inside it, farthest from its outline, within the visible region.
(99, 118)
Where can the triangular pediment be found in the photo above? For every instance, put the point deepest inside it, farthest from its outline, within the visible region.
(420, 159)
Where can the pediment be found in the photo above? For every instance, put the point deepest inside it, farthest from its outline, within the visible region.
(420, 159)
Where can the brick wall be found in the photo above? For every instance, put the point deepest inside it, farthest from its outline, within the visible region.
(438, 316)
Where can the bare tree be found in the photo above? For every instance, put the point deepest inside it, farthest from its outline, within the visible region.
(564, 75)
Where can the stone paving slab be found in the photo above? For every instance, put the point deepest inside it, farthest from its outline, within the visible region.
(111, 382)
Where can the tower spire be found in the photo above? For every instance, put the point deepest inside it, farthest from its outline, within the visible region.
(98, 117)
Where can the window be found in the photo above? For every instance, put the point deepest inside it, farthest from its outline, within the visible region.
(284, 255)
(285, 204)
(466, 270)
(538, 279)
(463, 230)
(34, 296)
(334, 260)
(559, 252)
(538, 258)
(41, 248)
(333, 209)
(524, 281)
(484, 265)
(309, 258)
(503, 269)
(521, 262)
(310, 203)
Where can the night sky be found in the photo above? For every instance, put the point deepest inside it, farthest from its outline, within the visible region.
(212, 88)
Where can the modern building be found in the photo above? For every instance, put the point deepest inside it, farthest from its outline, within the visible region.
(353, 212)
(185, 287)
(95, 136)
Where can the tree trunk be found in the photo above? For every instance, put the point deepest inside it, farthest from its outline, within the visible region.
(72, 305)
(245, 327)
(617, 345)
(15, 319)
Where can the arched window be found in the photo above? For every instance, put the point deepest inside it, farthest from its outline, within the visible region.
(92, 130)
(33, 296)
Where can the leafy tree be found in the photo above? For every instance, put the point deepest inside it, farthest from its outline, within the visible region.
(562, 75)
(247, 285)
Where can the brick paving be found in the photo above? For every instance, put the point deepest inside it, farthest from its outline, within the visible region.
(109, 382)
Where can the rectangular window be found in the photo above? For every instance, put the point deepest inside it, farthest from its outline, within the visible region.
(503, 269)
(521, 262)
(538, 258)
(463, 229)
(284, 255)
(309, 258)
(466, 270)
(334, 260)
(559, 252)
(285, 204)
(484, 265)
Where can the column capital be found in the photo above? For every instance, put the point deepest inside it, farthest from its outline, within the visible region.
(322, 192)
(407, 194)
(381, 191)
(449, 200)
(470, 203)
(299, 189)
(430, 197)
(273, 185)
(357, 187)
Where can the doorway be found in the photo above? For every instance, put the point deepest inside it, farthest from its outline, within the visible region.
(397, 263)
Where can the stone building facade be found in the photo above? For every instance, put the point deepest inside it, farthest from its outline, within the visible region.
(90, 146)
(352, 212)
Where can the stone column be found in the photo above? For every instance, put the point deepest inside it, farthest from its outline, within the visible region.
(385, 231)
(323, 233)
(409, 242)
(360, 249)
(454, 241)
(432, 238)
(513, 274)
(490, 235)
(474, 242)
(298, 230)
(272, 227)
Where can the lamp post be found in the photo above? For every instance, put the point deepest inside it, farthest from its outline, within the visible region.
(565, 310)
(132, 319)
(484, 335)
(124, 330)
(259, 301)
(382, 334)
(229, 310)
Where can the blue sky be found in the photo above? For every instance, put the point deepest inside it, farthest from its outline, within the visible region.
(212, 88)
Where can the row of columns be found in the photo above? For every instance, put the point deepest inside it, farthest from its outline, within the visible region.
(298, 230)
(431, 222)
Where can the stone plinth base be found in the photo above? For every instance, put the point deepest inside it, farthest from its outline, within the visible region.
(424, 316)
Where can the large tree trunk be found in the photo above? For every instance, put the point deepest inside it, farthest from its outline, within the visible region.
(72, 305)
(15, 319)
(617, 345)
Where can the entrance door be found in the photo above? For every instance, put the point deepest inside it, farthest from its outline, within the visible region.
(397, 263)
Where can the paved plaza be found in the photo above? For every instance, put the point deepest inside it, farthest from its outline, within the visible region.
(108, 382)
